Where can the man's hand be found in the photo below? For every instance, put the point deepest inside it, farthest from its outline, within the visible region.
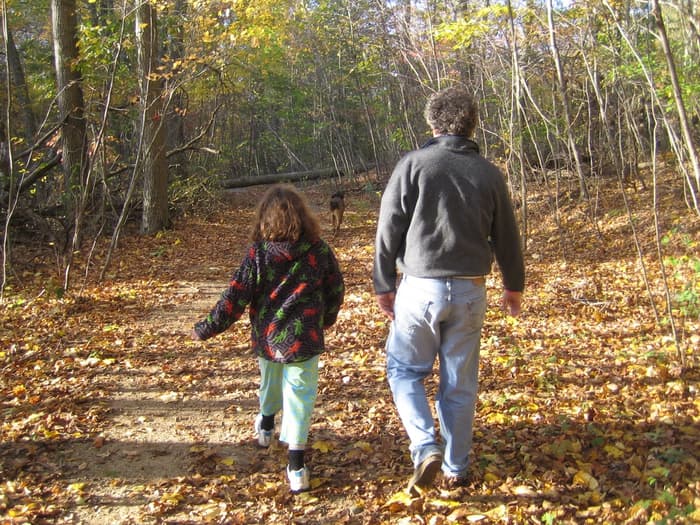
(386, 303)
(511, 302)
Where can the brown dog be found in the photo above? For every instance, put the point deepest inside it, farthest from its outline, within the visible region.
(337, 210)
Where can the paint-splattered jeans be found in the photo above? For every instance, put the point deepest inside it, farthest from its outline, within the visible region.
(437, 317)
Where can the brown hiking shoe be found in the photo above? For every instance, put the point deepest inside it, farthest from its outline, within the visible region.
(451, 483)
(424, 474)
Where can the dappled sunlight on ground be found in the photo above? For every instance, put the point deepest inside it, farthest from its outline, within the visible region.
(587, 413)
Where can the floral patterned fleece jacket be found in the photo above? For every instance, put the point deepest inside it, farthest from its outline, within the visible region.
(294, 291)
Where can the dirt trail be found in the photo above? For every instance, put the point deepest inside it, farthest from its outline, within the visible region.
(156, 431)
(178, 435)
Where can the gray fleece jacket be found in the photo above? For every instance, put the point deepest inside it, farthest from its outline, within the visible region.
(446, 212)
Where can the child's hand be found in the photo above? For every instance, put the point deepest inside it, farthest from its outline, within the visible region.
(195, 335)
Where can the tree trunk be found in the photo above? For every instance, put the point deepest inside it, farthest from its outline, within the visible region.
(274, 178)
(19, 88)
(71, 107)
(678, 97)
(6, 175)
(70, 98)
(175, 131)
(152, 147)
(561, 85)
(517, 123)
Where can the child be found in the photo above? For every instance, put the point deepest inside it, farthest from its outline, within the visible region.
(291, 281)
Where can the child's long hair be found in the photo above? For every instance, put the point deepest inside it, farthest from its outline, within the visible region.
(284, 215)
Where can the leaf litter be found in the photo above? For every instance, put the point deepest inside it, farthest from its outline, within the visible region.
(112, 415)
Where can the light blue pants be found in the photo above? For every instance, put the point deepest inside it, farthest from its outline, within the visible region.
(437, 318)
(291, 388)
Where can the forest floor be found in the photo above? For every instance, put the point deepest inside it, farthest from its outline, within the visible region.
(588, 409)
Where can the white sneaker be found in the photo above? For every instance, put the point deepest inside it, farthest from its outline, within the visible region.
(298, 479)
(264, 436)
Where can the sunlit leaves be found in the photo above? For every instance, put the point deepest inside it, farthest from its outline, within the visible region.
(580, 417)
(322, 446)
(485, 21)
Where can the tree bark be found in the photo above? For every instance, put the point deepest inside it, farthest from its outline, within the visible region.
(71, 106)
(175, 131)
(20, 89)
(70, 97)
(678, 97)
(561, 85)
(152, 148)
(517, 123)
(274, 178)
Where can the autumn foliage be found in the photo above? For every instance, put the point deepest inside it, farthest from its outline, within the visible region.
(588, 409)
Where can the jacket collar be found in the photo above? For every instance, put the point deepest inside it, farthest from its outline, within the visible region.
(453, 142)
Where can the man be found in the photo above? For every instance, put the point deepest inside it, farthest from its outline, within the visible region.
(444, 214)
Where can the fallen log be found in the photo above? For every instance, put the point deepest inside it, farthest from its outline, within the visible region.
(274, 178)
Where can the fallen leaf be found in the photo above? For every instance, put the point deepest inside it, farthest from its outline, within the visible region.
(322, 446)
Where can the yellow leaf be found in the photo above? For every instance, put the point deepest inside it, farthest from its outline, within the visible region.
(317, 482)
(77, 487)
(584, 479)
(613, 451)
(657, 472)
(307, 498)
(228, 461)
(363, 445)
(322, 446)
(490, 477)
(360, 359)
(19, 390)
(171, 498)
(444, 503)
(399, 501)
(496, 418)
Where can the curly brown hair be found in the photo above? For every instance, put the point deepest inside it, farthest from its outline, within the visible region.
(452, 111)
(284, 215)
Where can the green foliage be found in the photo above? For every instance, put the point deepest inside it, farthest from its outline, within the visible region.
(100, 46)
(688, 299)
(548, 518)
(479, 24)
(686, 272)
(399, 137)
